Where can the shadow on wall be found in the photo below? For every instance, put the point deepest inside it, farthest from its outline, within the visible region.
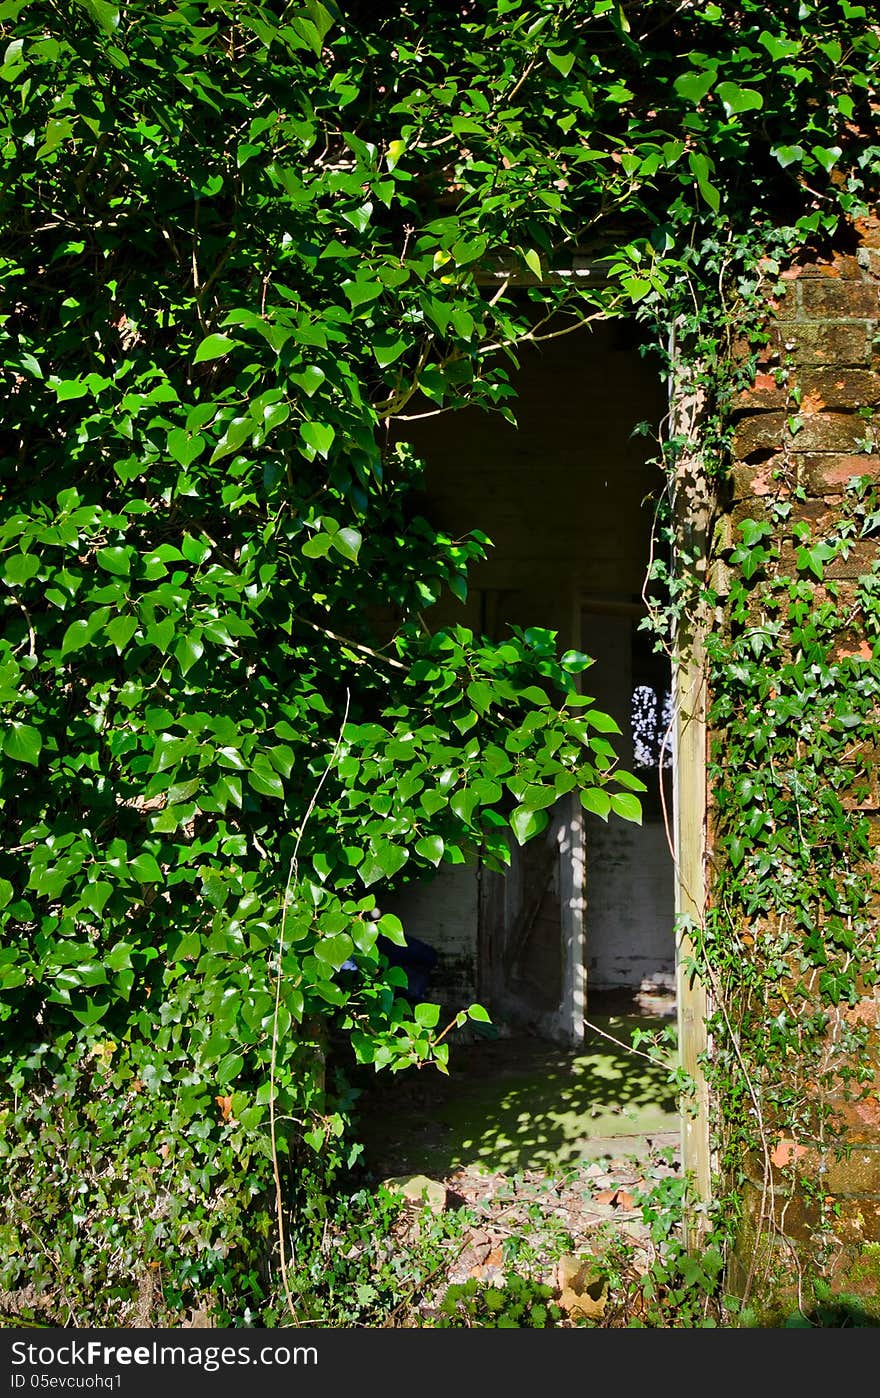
(515, 1104)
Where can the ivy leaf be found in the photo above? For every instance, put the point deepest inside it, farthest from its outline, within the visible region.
(788, 155)
(23, 743)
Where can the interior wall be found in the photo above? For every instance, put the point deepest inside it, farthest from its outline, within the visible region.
(629, 869)
(566, 498)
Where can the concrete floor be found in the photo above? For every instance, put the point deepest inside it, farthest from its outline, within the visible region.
(519, 1103)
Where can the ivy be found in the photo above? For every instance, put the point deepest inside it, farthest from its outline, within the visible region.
(240, 241)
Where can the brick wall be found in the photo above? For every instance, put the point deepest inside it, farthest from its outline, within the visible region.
(824, 331)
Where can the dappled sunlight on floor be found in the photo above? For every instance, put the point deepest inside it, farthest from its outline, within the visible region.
(519, 1103)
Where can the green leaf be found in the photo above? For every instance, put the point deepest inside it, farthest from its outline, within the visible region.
(20, 568)
(145, 869)
(525, 823)
(384, 861)
(77, 635)
(318, 435)
(102, 12)
(23, 743)
(478, 1013)
(114, 560)
(188, 650)
(426, 1015)
(694, 86)
(739, 99)
(701, 168)
(390, 926)
(629, 807)
(430, 847)
(120, 631)
(533, 262)
(334, 950)
(563, 63)
(214, 347)
(310, 379)
(778, 47)
(348, 543)
(94, 896)
(184, 447)
(597, 801)
(266, 781)
(387, 347)
(788, 155)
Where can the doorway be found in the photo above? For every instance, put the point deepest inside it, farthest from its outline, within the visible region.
(567, 498)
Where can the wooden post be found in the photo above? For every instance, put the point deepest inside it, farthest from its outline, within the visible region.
(693, 512)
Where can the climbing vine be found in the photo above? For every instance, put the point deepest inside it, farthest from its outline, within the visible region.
(240, 240)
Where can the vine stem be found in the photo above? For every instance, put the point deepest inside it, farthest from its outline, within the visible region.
(292, 877)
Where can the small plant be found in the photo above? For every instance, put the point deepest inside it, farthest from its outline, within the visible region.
(514, 1303)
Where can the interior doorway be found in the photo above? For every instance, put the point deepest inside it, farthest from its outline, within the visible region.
(567, 497)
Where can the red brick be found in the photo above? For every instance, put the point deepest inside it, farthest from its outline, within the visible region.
(832, 300)
(836, 390)
(868, 229)
(830, 474)
(771, 477)
(861, 558)
(764, 394)
(860, 1120)
(817, 432)
(828, 432)
(839, 344)
(761, 434)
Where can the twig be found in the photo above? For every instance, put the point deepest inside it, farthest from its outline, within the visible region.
(292, 876)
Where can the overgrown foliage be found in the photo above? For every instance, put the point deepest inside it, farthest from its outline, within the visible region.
(239, 240)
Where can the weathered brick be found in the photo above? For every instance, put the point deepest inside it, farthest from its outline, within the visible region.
(858, 561)
(835, 1170)
(869, 261)
(763, 433)
(759, 435)
(861, 557)
(830, 389)
(830, 474)
(829, 299)
(868, 229)
(772, 477)
(764, 394)
(842, 265)
(831, 432)
(857, 1219)
(860, 1120)
(841, 344)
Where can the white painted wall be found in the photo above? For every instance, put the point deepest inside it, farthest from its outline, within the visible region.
(563, 498)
